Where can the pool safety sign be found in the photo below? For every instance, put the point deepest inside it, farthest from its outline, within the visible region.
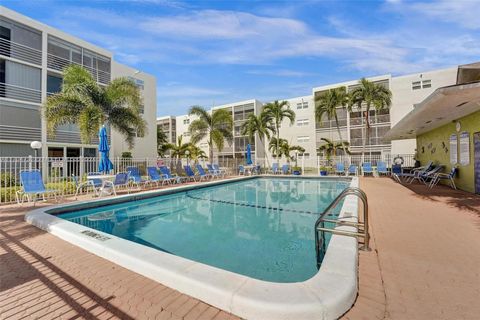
(464, 148)
(453, 149)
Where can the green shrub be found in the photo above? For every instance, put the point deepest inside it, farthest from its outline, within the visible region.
(7, 180)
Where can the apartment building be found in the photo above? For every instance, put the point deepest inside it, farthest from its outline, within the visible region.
(168, 124)
(32, 57)
(407, 91)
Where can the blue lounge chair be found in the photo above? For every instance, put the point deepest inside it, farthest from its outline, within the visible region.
(168, 177)
(444, 176)
(367, 168)
(340, 168)
(189, 172)
(135, 177)
(352, 169)
(217, 167)
(213, 172)
(241, 170)
(202, 173)
(154, 176)
(32, 186)
(427, 176)
(417, 171)
(285, 168)
(121, 180)
(274, 169)
(89, 184)
(382, 168)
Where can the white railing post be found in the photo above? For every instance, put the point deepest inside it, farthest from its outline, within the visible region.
(303, 164)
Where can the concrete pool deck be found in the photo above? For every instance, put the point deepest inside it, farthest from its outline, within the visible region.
(426, 266)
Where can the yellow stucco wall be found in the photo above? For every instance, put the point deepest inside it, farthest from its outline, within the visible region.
(430, 147)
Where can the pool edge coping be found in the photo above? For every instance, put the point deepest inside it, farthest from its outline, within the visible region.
(327, 295)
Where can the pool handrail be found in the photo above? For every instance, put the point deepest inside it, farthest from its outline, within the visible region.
(320, 227)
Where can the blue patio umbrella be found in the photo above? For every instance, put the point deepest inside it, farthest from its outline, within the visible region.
(105, 165)
(249, 155)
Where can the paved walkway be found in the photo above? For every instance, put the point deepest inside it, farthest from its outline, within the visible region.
(425, 265)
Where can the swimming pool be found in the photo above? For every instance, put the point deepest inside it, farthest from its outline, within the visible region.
(261, 228)
(244, 245)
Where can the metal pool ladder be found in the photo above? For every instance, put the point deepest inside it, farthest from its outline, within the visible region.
(362, 227)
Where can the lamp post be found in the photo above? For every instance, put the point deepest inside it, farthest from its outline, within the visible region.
(35, 145)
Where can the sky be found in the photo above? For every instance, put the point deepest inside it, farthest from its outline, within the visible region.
(210, 53)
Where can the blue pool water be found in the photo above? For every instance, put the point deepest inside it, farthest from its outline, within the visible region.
(261, 228)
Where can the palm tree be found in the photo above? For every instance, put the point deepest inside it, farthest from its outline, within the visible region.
(284, 148)
(179, 149)
(328, 104)
(216, 127)
(162, 142)
(84, 103)
(255, 126)
(273, 114)
(196, 153)
(330, 147)
(370, 94)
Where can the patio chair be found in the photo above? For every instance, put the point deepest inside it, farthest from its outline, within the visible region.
(202, 173)
(382, 168)
(32, 186)
(85, 185)
(217, 167)
(340, 168)
(189, 172)
(367, 168)
(257, 169)
(154, 176)
(275, 168)
(444, 176)
(241, 170)
(168, 177)
(135, 177)
(429, 175)
(122, 179)
(213, 172)
(285, 169)
(353, 169)
(397, 172)
(417, 171)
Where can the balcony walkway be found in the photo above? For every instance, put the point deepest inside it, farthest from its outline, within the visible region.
(425, 266)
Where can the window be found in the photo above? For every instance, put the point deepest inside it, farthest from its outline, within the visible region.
(54, 84)
(305, 155)
(186, 134)
(426, 84)
(186, 121)
(303, 122)
(303, 138)
(302, 105)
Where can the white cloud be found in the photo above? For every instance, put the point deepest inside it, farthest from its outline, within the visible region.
(281, 73)
(462, 12)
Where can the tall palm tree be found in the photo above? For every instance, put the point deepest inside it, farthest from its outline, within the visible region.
(216, 127)
(328, 103)
(84, 103)
(284, 148)
(162, 142)
(370, 95)
(330, 147)
(255, 126)
(196, 153)
(273, 113)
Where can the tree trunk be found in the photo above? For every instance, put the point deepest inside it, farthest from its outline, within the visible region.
(340, 135)
(278, 141)
(367, 132)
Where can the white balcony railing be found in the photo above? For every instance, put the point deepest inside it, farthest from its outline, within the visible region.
(58, 63)
(20, 52)
(19, 93)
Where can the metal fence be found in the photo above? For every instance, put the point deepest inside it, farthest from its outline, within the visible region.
(58, 173)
